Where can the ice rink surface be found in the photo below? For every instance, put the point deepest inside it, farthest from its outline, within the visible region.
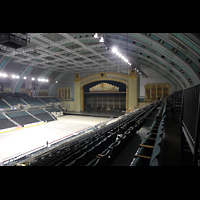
(26, 139)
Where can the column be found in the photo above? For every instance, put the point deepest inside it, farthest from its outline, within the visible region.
(82, 99)
(127, 98)
(77, 95)
(133, 92)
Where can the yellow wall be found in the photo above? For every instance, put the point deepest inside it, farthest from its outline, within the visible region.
(69, 105)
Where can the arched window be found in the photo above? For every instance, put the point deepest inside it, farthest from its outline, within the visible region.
(159, 91)
(59, 93)
(147, 92)
(69, 94)
(166, 90)
(153, 93)
(66, 95)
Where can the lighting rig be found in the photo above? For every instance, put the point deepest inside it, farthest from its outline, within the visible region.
(107, 42)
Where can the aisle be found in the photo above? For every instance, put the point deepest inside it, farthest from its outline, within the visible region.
(126, 156)
(172, 144)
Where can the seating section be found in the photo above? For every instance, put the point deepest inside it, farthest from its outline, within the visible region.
(42, 115)
(5, 123)
(46, 99)
(55, 99)
(33, 101)
(99, 148)
(22, 118)
(150, 151)
(3, 105)
(14, 101)
(52, 109)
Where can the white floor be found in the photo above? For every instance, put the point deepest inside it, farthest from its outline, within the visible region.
(23, 140)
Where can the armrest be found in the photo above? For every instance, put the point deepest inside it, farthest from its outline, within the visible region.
(150, 138)
(141, 156)
(147, 146)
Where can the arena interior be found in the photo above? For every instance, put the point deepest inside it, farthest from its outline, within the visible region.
(99, 99)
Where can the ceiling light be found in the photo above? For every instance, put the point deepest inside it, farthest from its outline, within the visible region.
(5, 75)
(13, 76)
(114, 49)
(56, 81)
(17, 77)
(33, 79)
(39, 79)
(101, 40)
(24, 77)
(47, 80)
(96, 35)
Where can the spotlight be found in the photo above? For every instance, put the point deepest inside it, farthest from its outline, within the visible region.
(114, 49)
(101, 40)
(96, 35)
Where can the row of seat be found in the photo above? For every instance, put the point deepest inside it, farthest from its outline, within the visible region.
(99, 144)
(23, 118)
(149, 152)
(14, 100)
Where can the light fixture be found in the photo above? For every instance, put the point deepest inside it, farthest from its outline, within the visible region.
(114, 49)
(96, 35)
(13, 76)
(24, 77)
(33, 79)
(17, 77)
(5, 75)
(101, 40)
(56, 81)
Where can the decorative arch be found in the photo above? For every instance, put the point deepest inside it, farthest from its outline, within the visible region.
(108, 76)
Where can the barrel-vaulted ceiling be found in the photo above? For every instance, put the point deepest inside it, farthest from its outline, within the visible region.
(53, 55)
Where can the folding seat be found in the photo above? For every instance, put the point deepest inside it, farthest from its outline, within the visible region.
(139, 161)
(93, 162)
(97, 149)
(104, 157)
(123, 142)
(78, 161)
(155, 153)
(88, 156)
(115, 149)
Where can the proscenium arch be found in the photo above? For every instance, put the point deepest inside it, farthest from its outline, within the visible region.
(110, 76)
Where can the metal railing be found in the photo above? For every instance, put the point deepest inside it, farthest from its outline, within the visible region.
(190, 121)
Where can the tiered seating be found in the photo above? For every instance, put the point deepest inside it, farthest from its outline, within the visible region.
(3, 105)
(150, 150)
(55, 99)
(52, 109)
(41, 114)
(22, 118)
(99, 148)
(46, 99)
(5, 123)
(14, 101)
(33, 101)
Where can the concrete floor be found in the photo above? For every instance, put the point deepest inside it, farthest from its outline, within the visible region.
(23, 140)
